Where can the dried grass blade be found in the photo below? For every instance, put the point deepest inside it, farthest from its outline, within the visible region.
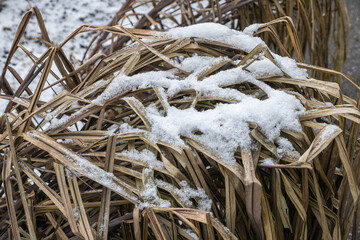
(353, 81)
(328, 87)
(137, 222)
(167, 164)
(84, 225)
(72, 80)
(209, 227)
(155, 225)
(344, 157)
(39, 88)
(253, 191)
(255, 53)
(281, 202)
(104, 214)
(20, 31)
(234, 168)
(342, 111)
(292, 33)
(85, 134)
(178, 231)
(9, 195)
(130, 64)
(212, 68)
(64, 191)
(24, 85)
(187, 222)
(42, 80)
(29, 221)
(230, 204)
(54, 197)
(160, 94)
(139, 109)
(261, 138)
(292, 195)
(174, 228)
(200, 216)
(268, 220)
(321, 141)
(323, 220)
(41, 23)
(59, 232)
(161, 56)
(19, 79)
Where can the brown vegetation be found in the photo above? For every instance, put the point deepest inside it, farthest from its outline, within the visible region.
(314, 196)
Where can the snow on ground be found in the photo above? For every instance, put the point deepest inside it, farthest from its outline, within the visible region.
(61, 18)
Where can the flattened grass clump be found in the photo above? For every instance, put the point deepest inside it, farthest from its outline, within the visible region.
(94, 162)
(322, 25)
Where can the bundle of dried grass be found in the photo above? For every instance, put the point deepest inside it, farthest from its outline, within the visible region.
(178, 136)
(322, 25)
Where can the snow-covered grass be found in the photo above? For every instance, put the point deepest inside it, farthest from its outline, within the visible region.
(224, 128)
(184, 126)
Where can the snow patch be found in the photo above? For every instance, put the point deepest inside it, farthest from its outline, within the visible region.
(185, 193)
(145, 156)
(268, 161)
(329, 129)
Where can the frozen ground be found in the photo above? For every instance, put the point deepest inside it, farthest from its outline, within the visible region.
(61, 18)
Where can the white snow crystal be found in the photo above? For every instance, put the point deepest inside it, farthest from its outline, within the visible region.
(329, 129)
(150, 195)
(76, 213)
(145, 156)
(250, 30)
(285, 147)
(268, 161)
(185, 193)
(219, 33)
(191, 233)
